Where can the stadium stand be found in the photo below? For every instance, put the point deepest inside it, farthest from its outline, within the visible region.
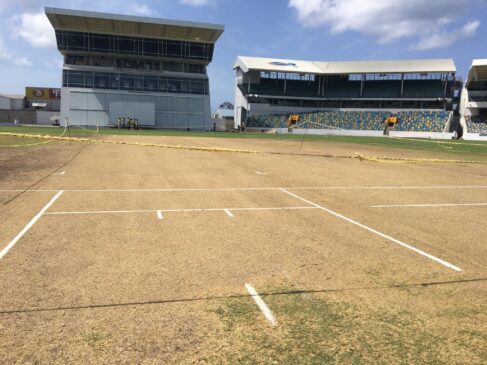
(423, 89)
(416, 121)
(382, 89)
(477, 125)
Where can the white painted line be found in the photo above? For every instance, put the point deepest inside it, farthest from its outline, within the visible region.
(412, 248)
(29, 225)
(257, 189)
(159, 215)
(261, 173)
(430, 205)
(176, 210)
(229, 213)
(261, 304)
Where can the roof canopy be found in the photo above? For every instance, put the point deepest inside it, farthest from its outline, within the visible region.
(344, 68)
(478, 71)
(87, 21)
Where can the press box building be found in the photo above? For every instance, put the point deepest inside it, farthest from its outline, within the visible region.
(137, 67)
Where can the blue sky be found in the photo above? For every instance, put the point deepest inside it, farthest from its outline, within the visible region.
(294, 29)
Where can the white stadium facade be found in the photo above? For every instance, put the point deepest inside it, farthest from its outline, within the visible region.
(474, 101)
(150, 69)
(348, 97)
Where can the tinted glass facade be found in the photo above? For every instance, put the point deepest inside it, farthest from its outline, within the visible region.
(133, 46)
(134, 82)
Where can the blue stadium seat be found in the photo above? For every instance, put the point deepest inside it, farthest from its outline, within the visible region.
(415, 121)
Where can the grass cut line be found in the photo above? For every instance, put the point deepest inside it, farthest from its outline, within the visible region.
(412, 248)
(100, 141)
(30, 224)
(430, 205)
(261, 304)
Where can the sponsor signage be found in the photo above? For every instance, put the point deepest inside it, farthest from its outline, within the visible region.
(42, 93)
(283, 64)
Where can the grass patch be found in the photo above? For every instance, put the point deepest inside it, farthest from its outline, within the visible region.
(452, 147)
(316, 331)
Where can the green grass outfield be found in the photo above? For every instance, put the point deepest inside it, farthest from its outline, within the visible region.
(464, 147)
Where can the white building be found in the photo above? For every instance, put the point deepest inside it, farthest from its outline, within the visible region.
(279, 86)
(474, 101)
(136, 67)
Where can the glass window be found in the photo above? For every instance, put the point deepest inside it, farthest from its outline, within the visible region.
(114, 81)
(197, 86)
(150, 47)
(75, 41)
(186, 86)
(101, 43)
(126, 45)
(76, 79)
(173, 85)
(163, 85)
(150, 83)
(89, 80)
(126, 82)
(139, 83)
(197, 50)
(174, 49)
(101, 80)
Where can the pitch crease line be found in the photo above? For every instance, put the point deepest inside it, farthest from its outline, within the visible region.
(176, 210)
(412, 248)
(261, 304)
(29, 225)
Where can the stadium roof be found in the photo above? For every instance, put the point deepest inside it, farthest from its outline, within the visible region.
(93, 22)
(478, 71)
(348, 67)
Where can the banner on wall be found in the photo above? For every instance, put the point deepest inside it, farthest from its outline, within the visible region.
(42, 93)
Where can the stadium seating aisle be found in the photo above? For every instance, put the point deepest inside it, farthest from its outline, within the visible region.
(418, 121)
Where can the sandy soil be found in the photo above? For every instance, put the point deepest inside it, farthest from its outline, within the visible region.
(122, 286)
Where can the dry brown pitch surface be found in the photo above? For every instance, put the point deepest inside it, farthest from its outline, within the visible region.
(144, 256)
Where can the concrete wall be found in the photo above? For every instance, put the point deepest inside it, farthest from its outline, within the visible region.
(23, 116)
(166, 111)
(341, 132)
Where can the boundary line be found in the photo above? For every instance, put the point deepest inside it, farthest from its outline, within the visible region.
(412, 248)
(29, 225)
(430, 205)
(227, 210)
(257, 189)
(261, 304)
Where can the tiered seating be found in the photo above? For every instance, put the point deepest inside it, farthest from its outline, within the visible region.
(477, 125)
(418, 121)
(353, 120)
(423, 89)
(422, 121)
(268, 121)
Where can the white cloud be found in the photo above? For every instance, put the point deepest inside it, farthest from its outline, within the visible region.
(386, 20)
(196, 2)
(142, 9)
(445, 39)
(35, 29)
(6, 55)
